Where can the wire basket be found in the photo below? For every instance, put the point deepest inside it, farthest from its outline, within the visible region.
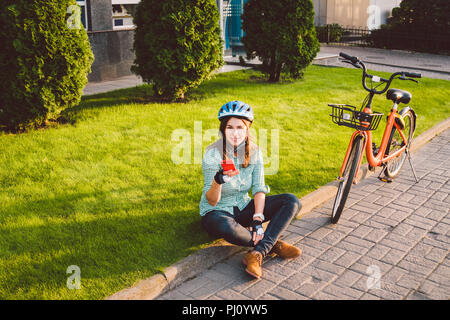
(346, 115)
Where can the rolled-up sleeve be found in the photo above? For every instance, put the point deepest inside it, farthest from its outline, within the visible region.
(210, 167)
(258, 184)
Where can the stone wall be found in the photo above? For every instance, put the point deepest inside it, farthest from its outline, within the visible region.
(113, 54)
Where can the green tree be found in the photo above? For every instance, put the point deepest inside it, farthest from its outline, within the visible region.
(44, 61)
(282, 34)
(177, 44)
(416, 25)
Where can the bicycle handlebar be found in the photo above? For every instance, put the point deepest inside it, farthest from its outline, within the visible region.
(359, 64)
(413, 75)
(346, 56)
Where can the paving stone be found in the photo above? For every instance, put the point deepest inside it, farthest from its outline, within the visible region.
(333, 238)
(378, 251)
(386, 295)
(347, 278)
(327, 266)
(209, 289)
(323, 295)
(259, 288)
(393, 256)
(343, 293)
(436, 254)
(376, 235)
(347, 259)
(281, 269)
(441, 279)
(320, 233)
(395, 245)
(267, 296)
(369, 296)
(286, 294)
(230, 294)
(392, 242)
(362, 231)
(409, 281)
(409, 266)
(434, 290)
(331, 254)
(308, 289)
(359, 242)
(295, 281)
(401, 239)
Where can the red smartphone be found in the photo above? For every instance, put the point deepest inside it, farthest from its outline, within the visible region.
(228, 165)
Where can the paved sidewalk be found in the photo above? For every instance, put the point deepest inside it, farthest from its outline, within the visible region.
(376, 59)
(133, 81)
(392, 242)
(232, 64)
(427, 64)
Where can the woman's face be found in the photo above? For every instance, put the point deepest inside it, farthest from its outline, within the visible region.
(235, 131)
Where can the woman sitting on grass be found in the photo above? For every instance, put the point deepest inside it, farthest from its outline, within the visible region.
(225, 206)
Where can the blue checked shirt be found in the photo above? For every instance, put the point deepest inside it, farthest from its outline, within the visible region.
(235, 191)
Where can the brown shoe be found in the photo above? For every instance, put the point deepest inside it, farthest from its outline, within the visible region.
(253, 261)
(285, 250)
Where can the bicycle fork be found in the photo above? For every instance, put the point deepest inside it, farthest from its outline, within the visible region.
(347, 156)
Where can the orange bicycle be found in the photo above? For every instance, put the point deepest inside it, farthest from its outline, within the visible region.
(397, 136)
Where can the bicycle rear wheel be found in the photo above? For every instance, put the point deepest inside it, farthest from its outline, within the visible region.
(396, 142)
(346, 181)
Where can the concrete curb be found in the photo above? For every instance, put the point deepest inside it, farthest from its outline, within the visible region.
(220, 250)
(323, 59)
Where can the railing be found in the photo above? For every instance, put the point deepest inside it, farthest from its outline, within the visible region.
(337, 35)
(381, 38)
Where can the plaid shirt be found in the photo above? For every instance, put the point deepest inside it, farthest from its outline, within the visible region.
(234, 192)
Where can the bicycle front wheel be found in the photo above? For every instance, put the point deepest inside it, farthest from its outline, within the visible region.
(396, 142)
(346, 181)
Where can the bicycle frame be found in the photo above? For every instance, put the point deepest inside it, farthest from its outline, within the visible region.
(380, 158)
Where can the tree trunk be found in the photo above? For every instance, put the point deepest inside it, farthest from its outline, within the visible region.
(278, 72)
(273, 67)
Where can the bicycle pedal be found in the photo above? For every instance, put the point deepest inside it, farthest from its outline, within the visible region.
(387, 180)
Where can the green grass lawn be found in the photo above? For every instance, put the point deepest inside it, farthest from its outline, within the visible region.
(103, 193)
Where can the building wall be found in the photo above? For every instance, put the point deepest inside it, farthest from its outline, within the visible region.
(101, 15)
(352, 13)
(348, 12)
(320, 10)
(113, 54)
(111, 48)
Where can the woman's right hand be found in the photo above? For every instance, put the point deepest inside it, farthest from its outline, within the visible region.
(231, 173)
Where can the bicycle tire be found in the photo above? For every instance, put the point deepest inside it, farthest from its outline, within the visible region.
(394, 166)
(347, 179)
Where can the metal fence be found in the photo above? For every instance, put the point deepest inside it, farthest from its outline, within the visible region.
(418, 41)
(332, 34)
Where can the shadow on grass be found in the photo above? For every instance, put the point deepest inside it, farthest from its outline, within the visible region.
(143, 94)
(127, 239)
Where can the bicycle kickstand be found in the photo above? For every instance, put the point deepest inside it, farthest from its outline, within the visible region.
(410, 163)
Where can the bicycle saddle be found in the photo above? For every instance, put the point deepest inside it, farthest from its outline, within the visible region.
(398, 96)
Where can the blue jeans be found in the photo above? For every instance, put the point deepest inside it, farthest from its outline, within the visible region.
(279, 209)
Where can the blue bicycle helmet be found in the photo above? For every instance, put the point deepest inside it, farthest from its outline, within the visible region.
(236, 109)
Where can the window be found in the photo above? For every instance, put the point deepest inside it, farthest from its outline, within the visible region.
(122, 13)
(83, 6)
(118, 22)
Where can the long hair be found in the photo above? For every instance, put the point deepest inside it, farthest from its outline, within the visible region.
(223, 125)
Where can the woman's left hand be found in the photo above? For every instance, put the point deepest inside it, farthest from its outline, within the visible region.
(257, 230)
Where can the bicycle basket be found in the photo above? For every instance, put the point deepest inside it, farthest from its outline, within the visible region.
(346, 115)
